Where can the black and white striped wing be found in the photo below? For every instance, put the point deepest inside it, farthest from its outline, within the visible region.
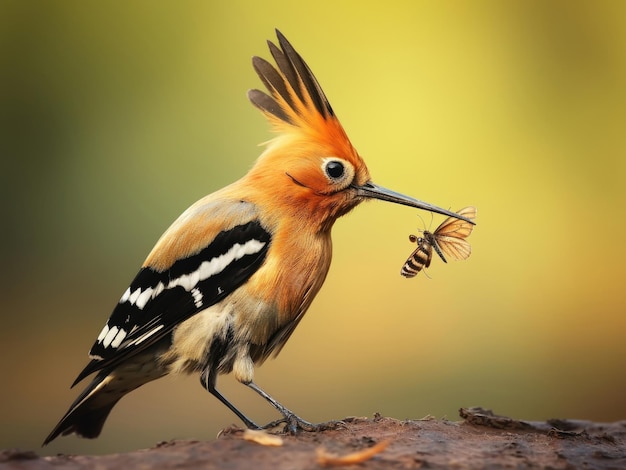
(157, 301)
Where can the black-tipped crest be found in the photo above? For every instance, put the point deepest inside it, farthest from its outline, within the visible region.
(292, 84)
(270, 77)
(286, 67)
(268, 104)
(306, 75)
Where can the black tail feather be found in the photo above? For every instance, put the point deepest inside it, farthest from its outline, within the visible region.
(84, 422)
(86, 416)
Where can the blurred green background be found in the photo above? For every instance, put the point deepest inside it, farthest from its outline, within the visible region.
(118, 115)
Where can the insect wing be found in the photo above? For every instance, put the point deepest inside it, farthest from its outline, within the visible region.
(455, 248)
(451, 234)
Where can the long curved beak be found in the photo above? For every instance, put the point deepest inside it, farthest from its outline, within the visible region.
(370, 190)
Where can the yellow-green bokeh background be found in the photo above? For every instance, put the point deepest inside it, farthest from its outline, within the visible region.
(118, 115)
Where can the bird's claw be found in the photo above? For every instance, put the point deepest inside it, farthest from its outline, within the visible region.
(294, 423)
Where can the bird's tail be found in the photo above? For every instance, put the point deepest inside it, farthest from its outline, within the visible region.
(86, 416)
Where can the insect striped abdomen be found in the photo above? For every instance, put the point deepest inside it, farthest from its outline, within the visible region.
(420, 258)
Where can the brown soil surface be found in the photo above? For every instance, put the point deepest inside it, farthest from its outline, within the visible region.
(480, 440)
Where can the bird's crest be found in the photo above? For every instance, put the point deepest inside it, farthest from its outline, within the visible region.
(296, 102)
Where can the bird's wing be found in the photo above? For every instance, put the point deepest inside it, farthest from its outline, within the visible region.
(201, 272)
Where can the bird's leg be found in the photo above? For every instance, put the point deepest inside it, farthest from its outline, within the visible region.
(292, 421)
(208, 379)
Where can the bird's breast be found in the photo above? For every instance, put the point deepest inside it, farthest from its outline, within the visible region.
(293, 272)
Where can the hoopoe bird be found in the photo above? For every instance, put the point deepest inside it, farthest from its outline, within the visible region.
(228, 282)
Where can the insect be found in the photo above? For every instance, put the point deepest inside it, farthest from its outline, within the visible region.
(449, 239)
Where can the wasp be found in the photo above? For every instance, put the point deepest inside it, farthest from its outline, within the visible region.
(449, 239)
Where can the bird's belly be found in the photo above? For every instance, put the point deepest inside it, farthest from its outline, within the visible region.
(193, 340)
(219, 338)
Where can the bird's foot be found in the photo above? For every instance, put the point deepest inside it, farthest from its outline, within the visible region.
(294, 423)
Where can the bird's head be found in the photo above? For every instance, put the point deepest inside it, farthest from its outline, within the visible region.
(310, 166)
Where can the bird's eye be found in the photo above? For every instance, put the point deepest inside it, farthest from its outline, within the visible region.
(334, 169)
